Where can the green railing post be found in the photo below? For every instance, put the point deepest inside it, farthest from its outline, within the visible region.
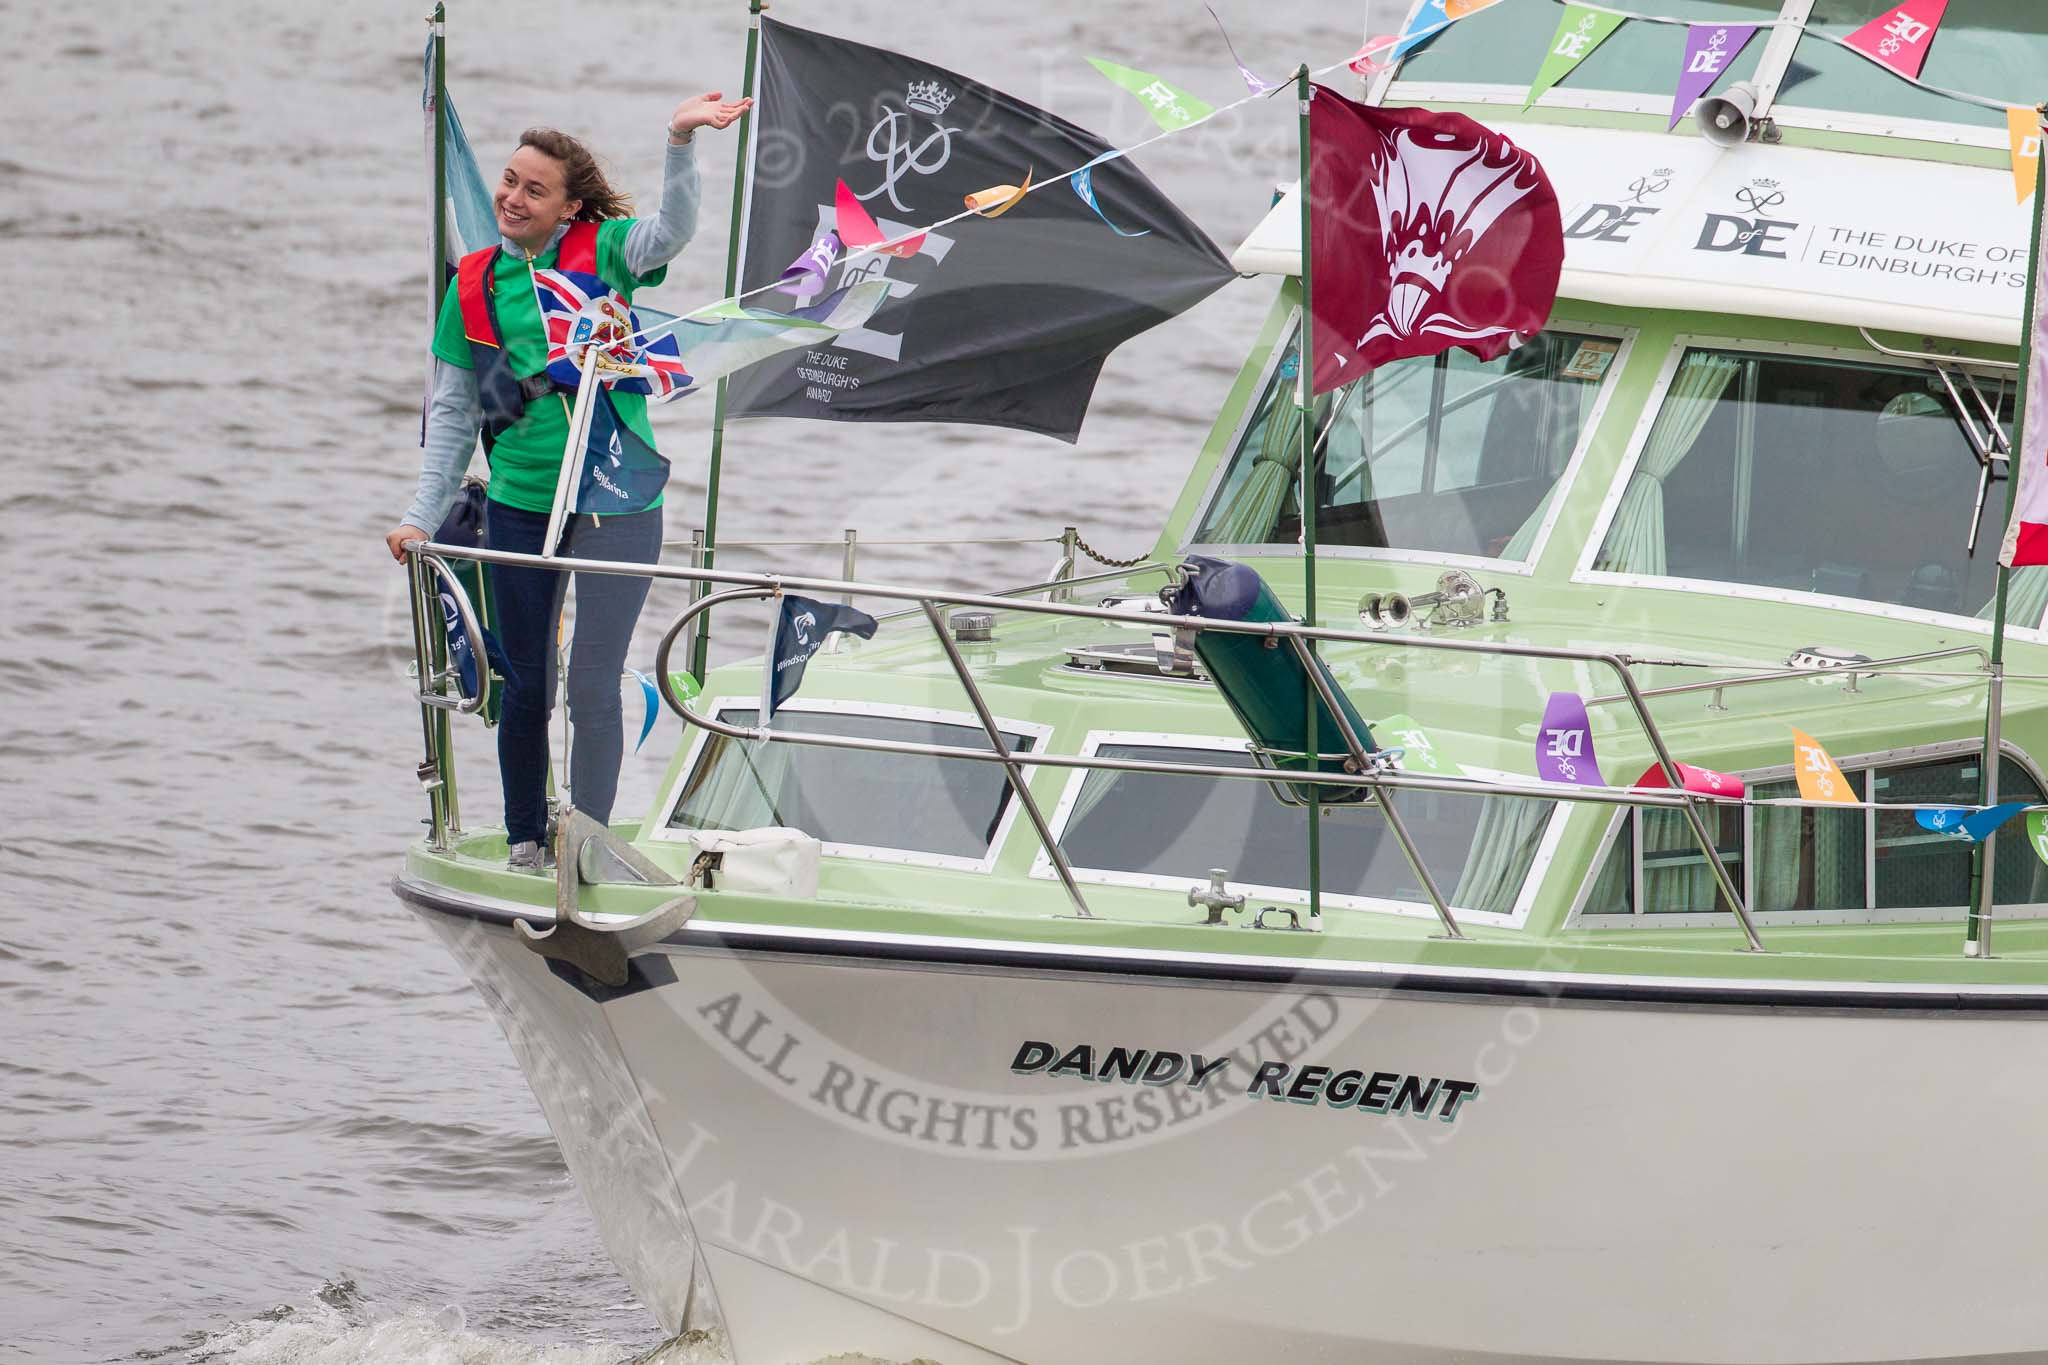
(1306, 399)
(1983, 870)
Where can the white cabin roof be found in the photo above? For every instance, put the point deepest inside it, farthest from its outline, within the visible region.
(1659, 221)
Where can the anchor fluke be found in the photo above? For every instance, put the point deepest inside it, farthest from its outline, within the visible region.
(587, 852)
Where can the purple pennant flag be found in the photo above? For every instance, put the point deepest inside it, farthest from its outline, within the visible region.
(1709, 50)
(1564, 746)
(805, 277)
(1256, 83)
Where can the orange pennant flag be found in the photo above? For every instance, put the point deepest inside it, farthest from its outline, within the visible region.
(1820, 778)
(858, 230)
(998, 200)
(2023, 128)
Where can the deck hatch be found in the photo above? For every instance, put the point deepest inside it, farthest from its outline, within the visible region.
(1158, 831)
(894, 807)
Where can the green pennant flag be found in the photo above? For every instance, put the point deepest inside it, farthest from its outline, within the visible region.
(1171, 108)
(2037, 833)
(1578, 33)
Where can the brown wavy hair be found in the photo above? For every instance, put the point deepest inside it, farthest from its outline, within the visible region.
(582, 177)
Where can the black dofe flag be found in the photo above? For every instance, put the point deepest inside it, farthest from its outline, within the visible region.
(1003, 321)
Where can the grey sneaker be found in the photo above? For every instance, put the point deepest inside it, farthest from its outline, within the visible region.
(529, 856)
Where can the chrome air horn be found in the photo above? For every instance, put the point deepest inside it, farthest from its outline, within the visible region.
(1458, 601)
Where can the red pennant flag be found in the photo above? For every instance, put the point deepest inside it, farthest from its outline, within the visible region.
(1900, 37)
(1427, 231)
(858, 230)
(1704, 781)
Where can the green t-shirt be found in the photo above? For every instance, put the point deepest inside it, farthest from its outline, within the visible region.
(526, 461)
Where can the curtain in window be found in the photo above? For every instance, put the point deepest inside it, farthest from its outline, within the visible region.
(1636, 542)
(1523, 541)
(1781, 834)
(1503, 846)
(1252, 514)
(2025, 601)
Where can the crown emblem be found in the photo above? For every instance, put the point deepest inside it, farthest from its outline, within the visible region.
(928, 97)
(1663, 171)
(1765, 184)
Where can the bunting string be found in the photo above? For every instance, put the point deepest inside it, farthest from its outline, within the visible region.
(1982, 101)
(881, 247)
(888, 245)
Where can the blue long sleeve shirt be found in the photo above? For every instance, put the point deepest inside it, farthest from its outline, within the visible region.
(454, 411)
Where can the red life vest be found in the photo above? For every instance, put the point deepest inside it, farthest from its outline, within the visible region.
(502, 394)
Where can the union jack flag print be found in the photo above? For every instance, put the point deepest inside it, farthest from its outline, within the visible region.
(579, 311)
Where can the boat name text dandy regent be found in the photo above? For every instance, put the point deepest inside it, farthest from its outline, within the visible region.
(1375, 1092)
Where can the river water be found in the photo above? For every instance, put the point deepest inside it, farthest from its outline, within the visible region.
(249, 1110)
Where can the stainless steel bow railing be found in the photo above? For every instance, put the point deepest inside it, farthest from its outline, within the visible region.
(428, 563)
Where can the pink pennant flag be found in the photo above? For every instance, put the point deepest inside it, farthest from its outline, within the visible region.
(1709, 51)
(1703, 781)
(858, 230)
(1366, 61)
(1900, 37)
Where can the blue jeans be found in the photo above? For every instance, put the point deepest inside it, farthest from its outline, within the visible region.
(527, 604)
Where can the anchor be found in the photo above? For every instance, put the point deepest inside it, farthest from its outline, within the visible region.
(587, 852)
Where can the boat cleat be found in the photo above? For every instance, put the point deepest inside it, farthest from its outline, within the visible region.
(1216, 897)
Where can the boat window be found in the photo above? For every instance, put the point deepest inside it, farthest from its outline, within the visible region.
(1994, 48)
(1505, 45)
(1821, 860)
(1919, 867)
(1823, 476)
(1479, 849)
(1446, 453)
(915, 802)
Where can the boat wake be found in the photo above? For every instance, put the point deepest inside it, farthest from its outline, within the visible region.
(321, 1334)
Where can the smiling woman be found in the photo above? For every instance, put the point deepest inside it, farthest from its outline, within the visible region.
(556, 213)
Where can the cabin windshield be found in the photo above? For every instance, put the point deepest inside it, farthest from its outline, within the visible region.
(1826, 476)
(1995, 48)
(1506, 44)
(1446, 454)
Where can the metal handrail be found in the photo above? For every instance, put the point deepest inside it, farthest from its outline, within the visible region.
(1853, 671)
(998, 751)
(1689, 803)
(462, 701)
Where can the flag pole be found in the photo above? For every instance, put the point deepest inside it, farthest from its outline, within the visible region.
(701, 655)
(438, 280)
(1305, 397)
(1983, 870)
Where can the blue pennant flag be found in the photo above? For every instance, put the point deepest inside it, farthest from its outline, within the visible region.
(801, 626)
(651, 700)
(1428, 21)
(1961, 823)
(621, 472)
(1084, 185)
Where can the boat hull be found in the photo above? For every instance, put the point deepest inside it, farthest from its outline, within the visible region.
(875, 1160)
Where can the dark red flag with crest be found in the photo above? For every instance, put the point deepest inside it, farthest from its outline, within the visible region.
(1428, 230)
